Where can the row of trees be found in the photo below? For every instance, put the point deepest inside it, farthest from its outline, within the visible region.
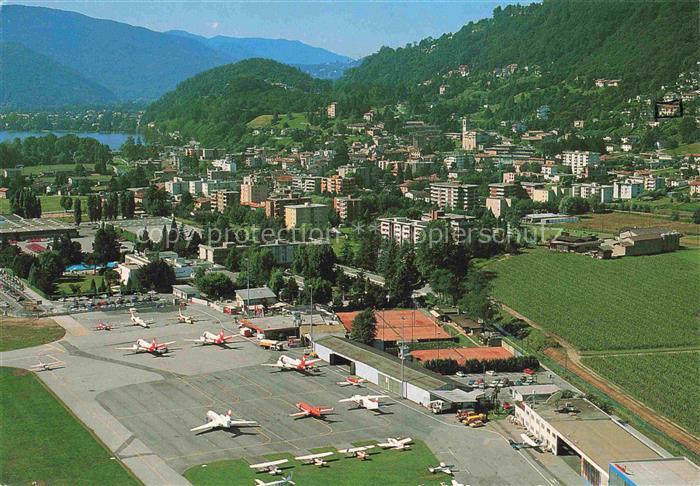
(450, 366)
(115, 204)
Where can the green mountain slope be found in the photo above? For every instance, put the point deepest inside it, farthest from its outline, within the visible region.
(645, 43)
(214, 106)
(29, 80)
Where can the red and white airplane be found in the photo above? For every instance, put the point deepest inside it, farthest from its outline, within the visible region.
(222, 421)
(306, 410)
(211, 338)
(370, 402)
(285, 363)
(351, 380)
(143, 346)
(396, 444)
(103, 326)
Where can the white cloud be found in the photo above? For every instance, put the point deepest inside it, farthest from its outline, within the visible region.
(215, 25)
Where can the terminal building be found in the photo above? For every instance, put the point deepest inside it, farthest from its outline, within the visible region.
(575, 427)
(419, 384)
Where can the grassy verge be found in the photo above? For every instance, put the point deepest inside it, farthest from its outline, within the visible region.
(42, 443)
(390, 468)
(19, 333)
(84, 280)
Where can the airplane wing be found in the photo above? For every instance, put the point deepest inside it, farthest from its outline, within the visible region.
(162, 345)
(126, 349)
(346, 400)
(263, 465)
(207, 426)
(311, 457)
(299, 414)
(198, 340)
(237, 423)
(376, 397)
(386, 445)
(343, 383)
(274, 365)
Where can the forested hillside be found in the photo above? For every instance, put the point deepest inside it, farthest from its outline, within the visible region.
(214, 106)
(646, 43)
(57, 86)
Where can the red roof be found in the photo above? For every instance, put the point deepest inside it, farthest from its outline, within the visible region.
(36, 247)
(462, 354)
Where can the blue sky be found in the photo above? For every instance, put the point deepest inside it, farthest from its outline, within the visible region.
(355, 28)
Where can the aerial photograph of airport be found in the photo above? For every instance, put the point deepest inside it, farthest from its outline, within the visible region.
(350, 242)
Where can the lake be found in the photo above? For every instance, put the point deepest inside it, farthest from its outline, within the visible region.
(114, 140)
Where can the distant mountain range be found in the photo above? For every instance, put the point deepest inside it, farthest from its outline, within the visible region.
(64, 54)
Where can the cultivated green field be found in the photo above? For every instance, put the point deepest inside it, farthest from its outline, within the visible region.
(388, 468)
(669, 382)
(42, 443)
(19, 333)
(297, 120)
(49, 204)
(627, 303)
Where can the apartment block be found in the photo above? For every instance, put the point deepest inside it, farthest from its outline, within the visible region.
(500, 190)
(336, 184)
(579, 161)
(275, 204)
(346, 206)
(454, 195)
(604, 193)
(253, 191)
(627, 190)
(298, 215)
(224, 199)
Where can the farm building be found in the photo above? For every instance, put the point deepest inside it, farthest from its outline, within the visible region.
(401, 324)
(578, 244)
(644, 241)
(420, 385)
(576, 427)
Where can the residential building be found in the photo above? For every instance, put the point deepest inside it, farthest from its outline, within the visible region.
(275, 204)
(579, 161)
(454, 161)
(604, 193)
(454, 195)
(331, 110)
(694, 188)
(337, 184)
(498, 205)
(627, 190)
(298, 215)
(403, 230)
(346, 206)
(501, 190)
(3, 192)
(254, 191)
(543, 112)
(307, 184)
(226, 198)
(542, 195)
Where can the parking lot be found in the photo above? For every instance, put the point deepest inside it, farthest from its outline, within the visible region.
(143, 406)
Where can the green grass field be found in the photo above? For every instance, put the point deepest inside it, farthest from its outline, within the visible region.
(389, 468)
(627, 303)
(42, 443)
(24, 333)
(63, 284)
(669, 383)
(610, 223)
(49, 204)
(297, 120)
(690, 148)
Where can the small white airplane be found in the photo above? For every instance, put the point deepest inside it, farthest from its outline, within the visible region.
(352, 381)
(528, 441)
(211, 338)
(183, 318)
(137, 320)
(279, 482)
(143, 346)
(269, 467)
(359, 452)
(285, 363)
(315, 459)
(47, 366)
(222, 421)
(442, 467)
(396, 443)
(370, 402)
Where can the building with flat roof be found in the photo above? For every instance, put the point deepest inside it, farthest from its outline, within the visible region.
(256, 296)
(14, 227)
(275, 204)
(298, 215)
(384, 370)
(676, 471)
(580, 161)
(576, 427)
(454, 195)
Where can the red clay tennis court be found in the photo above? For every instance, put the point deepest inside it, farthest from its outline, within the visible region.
(390, 323)
(462, 354)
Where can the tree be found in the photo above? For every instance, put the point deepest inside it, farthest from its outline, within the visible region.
(277, 281)
(322, 290)
(46, 270)
(26, 203)
(364, 327)
(688, 129)
(111, 207)
(93, 287)
(215, 284)
(696, 216)
(105, 247)
(127, 204)
(66, 202)
(401, 284)
(155, 202)
(77, 211)
(573, 205)
(476, 301)
(69, 251)
(75, 288)
(156, 275)
(290, 293)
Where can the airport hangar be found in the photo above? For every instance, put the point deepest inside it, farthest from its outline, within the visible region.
(421, 385)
